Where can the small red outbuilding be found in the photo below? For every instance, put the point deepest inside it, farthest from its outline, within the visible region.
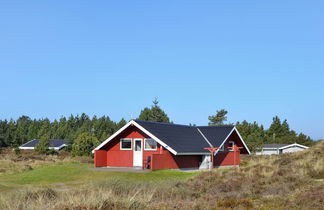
(157, 145)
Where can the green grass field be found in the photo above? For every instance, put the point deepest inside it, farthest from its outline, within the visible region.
(73, 173)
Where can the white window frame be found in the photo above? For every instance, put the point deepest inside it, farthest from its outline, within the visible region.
(130, 139)
(150, 149)
(232, 143)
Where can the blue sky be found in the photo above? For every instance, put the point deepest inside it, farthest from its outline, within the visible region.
(256, 59)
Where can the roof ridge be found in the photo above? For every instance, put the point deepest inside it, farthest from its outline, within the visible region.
(164, 123)
(202, 126)
(215, 126)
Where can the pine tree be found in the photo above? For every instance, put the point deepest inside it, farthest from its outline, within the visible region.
(84, 144)
(219, 118)
(43, 145)
(155, 113)
(275, 129)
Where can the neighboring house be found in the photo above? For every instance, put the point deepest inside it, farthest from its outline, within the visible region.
(169, 146)
(55, 144)
(277, 149)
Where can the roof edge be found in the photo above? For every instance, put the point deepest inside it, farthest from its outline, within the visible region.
(133, 122)
(239, 135)
(294, 144)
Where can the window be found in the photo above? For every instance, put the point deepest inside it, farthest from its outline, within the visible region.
(150, 144)
(138, 145)
(125, 144)
(231, 144)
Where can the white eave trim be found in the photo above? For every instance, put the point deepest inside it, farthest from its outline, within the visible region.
(234, 129)
(55, 148)
(132, 122)
(26, 147)
(246, 147)
(223, 142)
(295, 144)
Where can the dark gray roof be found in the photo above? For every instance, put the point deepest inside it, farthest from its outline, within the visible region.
(216, 134)
(52, 142)
(187, 139)
(274, 145)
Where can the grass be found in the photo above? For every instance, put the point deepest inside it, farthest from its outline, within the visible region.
(74, 173)
(290, 181)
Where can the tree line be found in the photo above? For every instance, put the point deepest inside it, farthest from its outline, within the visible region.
(14, 133)
(84, 133)
(256, 135)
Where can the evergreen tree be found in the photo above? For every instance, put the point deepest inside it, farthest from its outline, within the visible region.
(285, 130)
(155, 113)
(121, 123)
(84, 144)
(22, 126)
(275, 130)
(43, 145)
(11, 135)
(252, 133)
(218, 118)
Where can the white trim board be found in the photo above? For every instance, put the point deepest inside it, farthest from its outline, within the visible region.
(130, 123)
(55, 148)
(291, 145)
(201, 133)
(239, 135)
(112, 136)
(224, 141)
(155, 138)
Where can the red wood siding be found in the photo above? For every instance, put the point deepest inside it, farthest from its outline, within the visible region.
(225, 158)
(100, 158)
(170, 161)
(122, 158)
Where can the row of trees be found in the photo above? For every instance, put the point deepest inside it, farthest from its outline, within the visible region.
(84, 133)
(14, 133)
(255, 135)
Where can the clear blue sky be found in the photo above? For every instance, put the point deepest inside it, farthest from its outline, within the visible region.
(256, 59)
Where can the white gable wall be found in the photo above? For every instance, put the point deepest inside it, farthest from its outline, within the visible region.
(286, 149)
(268, 151)
(294, 148)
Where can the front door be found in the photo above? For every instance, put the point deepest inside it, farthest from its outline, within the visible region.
(138, 153)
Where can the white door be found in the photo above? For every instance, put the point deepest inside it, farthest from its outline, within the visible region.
(138, 153)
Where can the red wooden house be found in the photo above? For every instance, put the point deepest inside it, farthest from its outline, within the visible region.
(169, 146)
